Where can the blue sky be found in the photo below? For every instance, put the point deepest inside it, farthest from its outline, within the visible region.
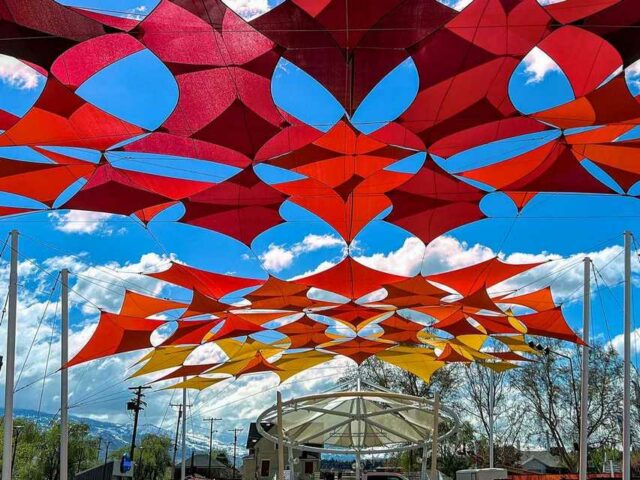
(107, 252)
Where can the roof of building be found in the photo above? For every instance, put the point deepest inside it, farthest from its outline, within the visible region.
(254, 435)
(202, 460)
(542, 456)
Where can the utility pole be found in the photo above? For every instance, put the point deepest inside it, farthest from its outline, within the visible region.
(235, 446)
(492, 395)
(183, 465)
(584, 384)
(175, 444)
(64, 376)
(434, 438)
(99, 447)
(7, 453)
(136, 404)
(281, 438)
(106, 457)
(626, 399)
(211, 432)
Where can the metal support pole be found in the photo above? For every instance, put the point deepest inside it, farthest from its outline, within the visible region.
(492, 395)
(626, 401)
(291, 466)
(423, 465)
(434, 438)
(183, 465)
(584, 385)
(280, 437)
(358, 465)
(175, 443)
(64, 376)
(7, 451)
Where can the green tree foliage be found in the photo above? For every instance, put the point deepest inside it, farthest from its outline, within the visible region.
(152, 458)
(37, 454)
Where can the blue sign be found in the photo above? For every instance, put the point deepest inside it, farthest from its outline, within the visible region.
(125, 463)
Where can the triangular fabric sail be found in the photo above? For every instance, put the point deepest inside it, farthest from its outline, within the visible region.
(419, 361)
(486, 274)
(291, 364)
(550, 323)
(136, 304)
(215, 285)
(196, 383)
(350, 279)
(116, 334)
(191, 332)
(163, 358)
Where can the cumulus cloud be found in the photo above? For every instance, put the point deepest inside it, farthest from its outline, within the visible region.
(248, 9)
(446, 253)
(82, 222)
(537, 65)
(17, 74)
(280, 257)
(276, 258)
(632, 73)
(617, 342)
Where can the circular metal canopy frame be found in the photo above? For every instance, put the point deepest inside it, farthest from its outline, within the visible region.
(357, 422)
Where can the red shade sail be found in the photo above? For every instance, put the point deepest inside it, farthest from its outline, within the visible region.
(116, 334)
(136, 304)
(486, 274)
(191, 332)
(214, 285)
(349, 279)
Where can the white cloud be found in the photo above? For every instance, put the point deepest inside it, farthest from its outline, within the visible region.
(17, 74)
(456, 4)
(617, 342)
(632, 73)
(313, 242)
(82, 222)
(407, 260)
(537, 65)
(446, 253)
(248, 9)
(279, 257)
(137, 13)
(276, 258)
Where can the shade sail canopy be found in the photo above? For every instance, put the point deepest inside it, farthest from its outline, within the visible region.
(458, 328)
(348, 176)
(356, 422)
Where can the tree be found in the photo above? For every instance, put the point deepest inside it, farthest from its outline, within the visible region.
(37, 456)
(152, 457)
(550, 387)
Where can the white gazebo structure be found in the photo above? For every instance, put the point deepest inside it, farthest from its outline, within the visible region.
(359, 423)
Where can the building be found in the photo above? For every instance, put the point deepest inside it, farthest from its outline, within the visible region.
(198, 464)
(261, 463)
(542, 462)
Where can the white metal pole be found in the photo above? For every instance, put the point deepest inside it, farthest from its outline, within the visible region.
(434, 438)
(291, 466)
(7, 451)
(183, 465)
(423, 463)
(64, 376)
(280, 437)
(584, 377)
(626, 401)
(492, 394)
